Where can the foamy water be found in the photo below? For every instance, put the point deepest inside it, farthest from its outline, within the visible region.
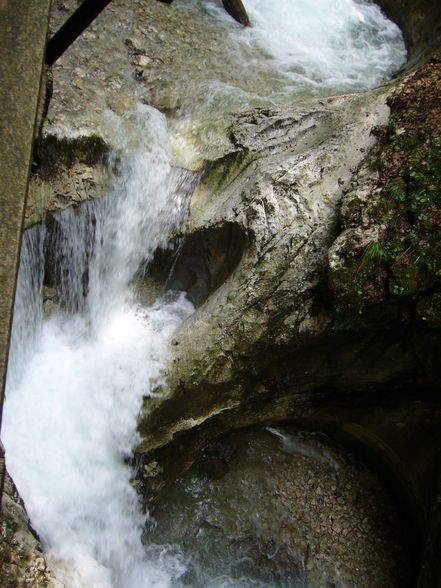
(319, 47)
(69, 426)
(326, 45)
(74, 396)
(293, 50)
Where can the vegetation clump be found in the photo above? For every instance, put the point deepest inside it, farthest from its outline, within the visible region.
(402, 264)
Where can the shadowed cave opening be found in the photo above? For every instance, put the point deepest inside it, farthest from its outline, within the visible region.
(200, 262)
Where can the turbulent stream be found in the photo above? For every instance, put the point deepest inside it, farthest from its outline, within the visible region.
(77, 378)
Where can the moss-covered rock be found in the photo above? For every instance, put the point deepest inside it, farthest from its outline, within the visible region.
(390, 249)
(429, 309)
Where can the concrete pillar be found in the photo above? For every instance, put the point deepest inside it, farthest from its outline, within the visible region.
(23, 33)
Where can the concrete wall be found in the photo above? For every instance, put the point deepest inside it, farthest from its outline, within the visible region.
(23, 31)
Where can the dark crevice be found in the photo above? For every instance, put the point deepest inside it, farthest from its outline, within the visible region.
(201, 262)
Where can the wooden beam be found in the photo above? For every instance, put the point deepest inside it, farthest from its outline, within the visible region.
(73, 27)
(23, 31)
(237, 11)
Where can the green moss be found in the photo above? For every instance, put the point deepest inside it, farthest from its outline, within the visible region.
(412, 242)
(224, 171)
(429, 309)
(354, 208)
(403, 266)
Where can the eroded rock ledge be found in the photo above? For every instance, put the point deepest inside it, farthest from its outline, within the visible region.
(66, 172)
(283, 194)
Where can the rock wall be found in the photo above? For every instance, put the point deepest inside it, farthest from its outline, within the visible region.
(21, 559)
(282, 194)
(273, 344)
(420, 23)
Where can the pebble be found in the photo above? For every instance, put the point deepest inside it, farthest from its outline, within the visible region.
(142, 60)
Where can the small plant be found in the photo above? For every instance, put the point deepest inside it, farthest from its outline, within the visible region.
(373, 251)
(35, 167)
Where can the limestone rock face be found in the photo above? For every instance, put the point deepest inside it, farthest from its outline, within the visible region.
(280, 187)
(358, 231)
(21, 559)
(420, 21)
(70, 170)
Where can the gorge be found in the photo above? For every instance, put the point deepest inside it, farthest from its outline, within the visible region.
(249, 204)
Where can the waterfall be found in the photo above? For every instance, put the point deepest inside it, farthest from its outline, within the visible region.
(27, 307)
(71, 415)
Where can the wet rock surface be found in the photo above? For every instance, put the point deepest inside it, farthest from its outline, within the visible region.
(22, 563)
(260, 345)
(281, 187)
(285, 510)
(146, 52)
(420, 22)
(68, 171)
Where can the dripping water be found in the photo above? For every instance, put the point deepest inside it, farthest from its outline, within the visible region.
(27, 308)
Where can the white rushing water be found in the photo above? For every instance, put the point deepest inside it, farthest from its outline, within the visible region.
(74, 393)
(326, 44)
(76, 380)
(293, 50)
(304, 46)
